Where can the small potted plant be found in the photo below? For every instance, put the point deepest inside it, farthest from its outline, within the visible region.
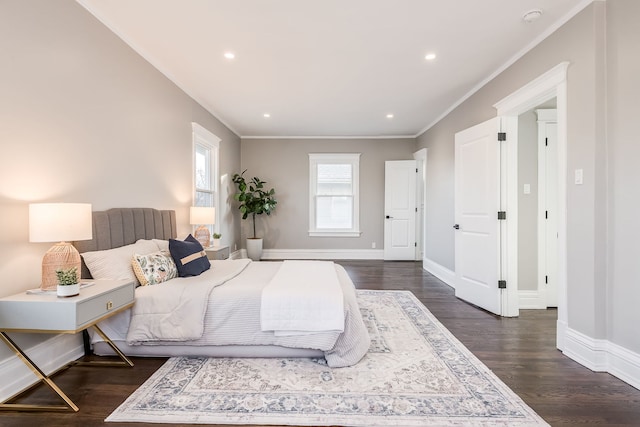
(216, 240)
(68, 285)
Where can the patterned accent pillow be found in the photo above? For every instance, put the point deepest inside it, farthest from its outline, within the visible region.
(154, 268)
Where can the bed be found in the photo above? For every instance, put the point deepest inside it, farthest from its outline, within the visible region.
(221, 311)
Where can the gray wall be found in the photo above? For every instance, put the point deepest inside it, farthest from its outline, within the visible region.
(623, 151)
(528, 203)
(284, 164)
(601, 45)
(86, 119)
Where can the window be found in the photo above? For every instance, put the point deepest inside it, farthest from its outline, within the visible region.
(334, 204)
(205, 170)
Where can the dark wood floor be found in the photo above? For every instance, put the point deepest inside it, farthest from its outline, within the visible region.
(521, 351)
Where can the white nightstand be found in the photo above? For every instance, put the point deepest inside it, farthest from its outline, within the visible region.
(218, 252)
(46, 313)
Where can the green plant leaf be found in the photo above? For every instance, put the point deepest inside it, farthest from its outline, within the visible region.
(253, 199)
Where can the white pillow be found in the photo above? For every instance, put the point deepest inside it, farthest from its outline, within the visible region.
(116, 263)
(162, 244)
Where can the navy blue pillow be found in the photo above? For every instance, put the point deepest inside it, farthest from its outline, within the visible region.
(189, 256)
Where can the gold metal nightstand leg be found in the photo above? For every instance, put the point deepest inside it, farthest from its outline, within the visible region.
(42, 377)
(124, 359)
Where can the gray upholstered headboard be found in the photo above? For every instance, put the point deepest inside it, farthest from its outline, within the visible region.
(122, 226)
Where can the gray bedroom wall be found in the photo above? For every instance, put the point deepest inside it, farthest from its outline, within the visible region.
(528, 203)
(284, 164)
(603, 269)
(86, 119)
(623, 150)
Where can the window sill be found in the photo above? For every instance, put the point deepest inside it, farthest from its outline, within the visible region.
(334, 233)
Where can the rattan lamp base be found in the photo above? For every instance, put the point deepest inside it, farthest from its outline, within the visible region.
(203, 236)
(61, 256)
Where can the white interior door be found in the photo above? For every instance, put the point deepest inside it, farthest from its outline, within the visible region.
(477, 201)
(400, 210)
(548, 215)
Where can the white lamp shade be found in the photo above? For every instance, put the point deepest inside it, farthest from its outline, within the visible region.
(57, 222)
(202, 215)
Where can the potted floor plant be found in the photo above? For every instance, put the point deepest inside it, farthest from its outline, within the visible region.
(68, 285)
(254, 200)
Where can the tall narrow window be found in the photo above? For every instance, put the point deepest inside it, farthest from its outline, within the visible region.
(205, 170)
(333, 195)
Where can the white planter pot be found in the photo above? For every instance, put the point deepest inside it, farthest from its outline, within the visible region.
(254, 249)
(68, 290)
(216, 243)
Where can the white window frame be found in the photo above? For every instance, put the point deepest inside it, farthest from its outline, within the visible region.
(334, 158)
(202, 137)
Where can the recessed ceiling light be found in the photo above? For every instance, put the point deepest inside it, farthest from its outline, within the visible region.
(389, 116)
(430, 56)
(229, 55)
(532, 15)
(266, 115)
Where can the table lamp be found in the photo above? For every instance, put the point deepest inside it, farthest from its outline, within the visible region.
(202, 216)
(64, 223)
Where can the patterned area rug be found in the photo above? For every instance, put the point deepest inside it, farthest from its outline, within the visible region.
(415, 374)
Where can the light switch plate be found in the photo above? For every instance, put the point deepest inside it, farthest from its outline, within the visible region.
(578, 176)
(527, 189)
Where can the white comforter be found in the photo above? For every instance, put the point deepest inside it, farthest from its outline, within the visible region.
(232, 315)
(175, 310)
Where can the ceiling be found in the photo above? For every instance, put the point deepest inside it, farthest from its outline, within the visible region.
(330, 68)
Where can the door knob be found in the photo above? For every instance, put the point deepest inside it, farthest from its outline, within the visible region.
(456, 226)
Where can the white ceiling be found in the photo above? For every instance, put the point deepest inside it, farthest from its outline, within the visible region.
(330, 67)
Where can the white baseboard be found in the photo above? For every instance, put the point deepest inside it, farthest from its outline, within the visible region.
(590, 352)
(359, 254)
(561, 334)
(603, 356)
(49, 355)
(531, 300)
(441, 272)
(240, 253)
(624, 364)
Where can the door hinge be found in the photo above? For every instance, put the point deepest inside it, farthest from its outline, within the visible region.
(502, 284)
(502, 215)
(415, 244)
(416, 170)
(546, 142)
(416, 209)
(502, 136)
(546, 279)
(546, 214)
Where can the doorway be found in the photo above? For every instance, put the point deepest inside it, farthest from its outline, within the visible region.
(537, 212)
(551, 84)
